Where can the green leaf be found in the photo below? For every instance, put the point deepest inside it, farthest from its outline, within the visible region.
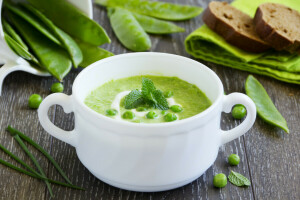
(264, 105)
(133, 99)
(161, 101)
(147, 88)
(238, 179)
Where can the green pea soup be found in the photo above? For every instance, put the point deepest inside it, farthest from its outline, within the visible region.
(111, 95)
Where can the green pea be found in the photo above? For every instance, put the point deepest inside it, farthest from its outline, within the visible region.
(168, 94)
(52, 57)
(151, 115)
(239, 111)
(72, 20)
(156, 26)
(128, 30)
(234, 159)
(157, 9)
(176, 108)
(220, 180)
(111, 112)
(57, 87)
(66, 41)
(264, 105)
(163, 112)
(141, 109)
(128, 115)
(34, 101)
(91, 53)
(170, 117)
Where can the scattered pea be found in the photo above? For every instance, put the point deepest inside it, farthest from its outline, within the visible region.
(151, 115)
(234, 159)
(163, 112)
(111, 112)
(176, 108)
(34, 101)
(170, 117)
(220, 180)
(128, 115)
(141, 109)
(57, 87)
(168, 94)
(239, 111)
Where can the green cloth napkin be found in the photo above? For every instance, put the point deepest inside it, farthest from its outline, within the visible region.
(205, 44)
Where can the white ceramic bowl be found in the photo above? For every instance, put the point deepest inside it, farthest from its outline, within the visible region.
(147, 157)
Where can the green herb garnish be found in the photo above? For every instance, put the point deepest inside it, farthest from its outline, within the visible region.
(238, 179)
(148, 95)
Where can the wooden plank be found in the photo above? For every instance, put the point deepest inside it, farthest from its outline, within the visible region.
(14, 111)
(202, 188)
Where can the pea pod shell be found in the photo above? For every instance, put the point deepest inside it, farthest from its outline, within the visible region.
(36, 23)
(51, 56)
(92, 53)
(13, 34)
(156, 26)
(67, 42)
(161, 10)
(19, 49)
(264, 105)
(72, 21)
(128, 30)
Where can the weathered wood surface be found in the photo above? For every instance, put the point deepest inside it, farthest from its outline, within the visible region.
(269, 157)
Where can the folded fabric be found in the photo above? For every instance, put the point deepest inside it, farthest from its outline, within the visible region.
(207, 45)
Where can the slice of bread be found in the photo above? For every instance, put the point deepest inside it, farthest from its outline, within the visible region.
(234, 26)
(279, 26)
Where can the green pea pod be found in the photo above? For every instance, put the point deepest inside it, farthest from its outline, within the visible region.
(72, 21)
(19, 49)
(13, 34)
(52, 57)
(156, 26)
(92, 53)
(264, 105)
(36, 23)
(67, 42)
(161, 10)
(128, 30)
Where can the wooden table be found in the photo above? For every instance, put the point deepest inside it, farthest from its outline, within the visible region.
(269, 157)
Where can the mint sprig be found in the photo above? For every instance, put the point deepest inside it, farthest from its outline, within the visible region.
(238, 179)
(148, 95)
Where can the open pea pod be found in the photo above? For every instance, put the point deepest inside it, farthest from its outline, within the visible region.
(13, 34)
(35, 22)
(264, 105)
(19, 49)
(128, 30)
(156, 26)
(67, 42)
(72, 21)
(51, 56)
(92, 53)
(161, 10)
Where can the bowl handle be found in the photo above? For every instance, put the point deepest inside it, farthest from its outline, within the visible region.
(65, 101)
(228, 102)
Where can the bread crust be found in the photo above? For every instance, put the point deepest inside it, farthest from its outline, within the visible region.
(230, 34)
(267, 33)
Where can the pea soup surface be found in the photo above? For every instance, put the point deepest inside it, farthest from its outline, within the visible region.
(111, 95)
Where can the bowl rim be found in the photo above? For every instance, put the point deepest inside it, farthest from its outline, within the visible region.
(98, 116)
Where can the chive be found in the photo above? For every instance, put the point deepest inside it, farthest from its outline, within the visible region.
(38, 147)
(38, 176)
(24, 147)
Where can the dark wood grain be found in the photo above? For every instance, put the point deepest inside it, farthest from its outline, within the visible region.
(269, 157)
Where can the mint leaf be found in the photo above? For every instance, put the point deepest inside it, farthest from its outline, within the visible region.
(161, 101)
(148, 88)
(238, 179)
(133, 99)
